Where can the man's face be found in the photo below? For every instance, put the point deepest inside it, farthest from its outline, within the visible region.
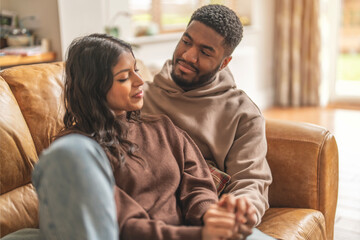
(198, 56)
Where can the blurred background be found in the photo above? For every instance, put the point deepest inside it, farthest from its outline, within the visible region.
(299, 60)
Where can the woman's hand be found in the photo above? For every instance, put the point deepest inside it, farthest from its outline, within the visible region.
(218, 223)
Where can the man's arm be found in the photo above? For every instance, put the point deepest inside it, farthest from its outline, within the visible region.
(247, 165)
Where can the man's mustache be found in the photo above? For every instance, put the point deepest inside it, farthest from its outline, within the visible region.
(187, 63)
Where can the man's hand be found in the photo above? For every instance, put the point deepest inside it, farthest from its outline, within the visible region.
(245, 214)
(218, 224)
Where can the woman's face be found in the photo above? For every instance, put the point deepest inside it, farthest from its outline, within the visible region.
(126, 93)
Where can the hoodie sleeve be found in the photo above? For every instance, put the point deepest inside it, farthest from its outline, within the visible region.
(197, 190)
(247, 165)
(135, 223)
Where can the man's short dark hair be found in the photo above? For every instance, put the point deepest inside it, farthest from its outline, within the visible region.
(224, 21)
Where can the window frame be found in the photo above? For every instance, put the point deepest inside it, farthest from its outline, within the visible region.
(156, 13)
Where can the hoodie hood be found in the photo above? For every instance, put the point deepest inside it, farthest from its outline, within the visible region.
(224, 81)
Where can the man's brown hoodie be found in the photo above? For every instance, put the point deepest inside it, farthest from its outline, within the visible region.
(227, 126)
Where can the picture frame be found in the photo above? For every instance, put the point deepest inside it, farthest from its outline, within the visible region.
(7, 23)
(7, 19)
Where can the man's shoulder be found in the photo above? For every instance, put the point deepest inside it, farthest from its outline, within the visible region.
(242, 102)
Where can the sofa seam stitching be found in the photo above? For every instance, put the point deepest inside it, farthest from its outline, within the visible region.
(295, 140)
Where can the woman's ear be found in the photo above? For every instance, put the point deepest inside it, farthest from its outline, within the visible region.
(225, 62)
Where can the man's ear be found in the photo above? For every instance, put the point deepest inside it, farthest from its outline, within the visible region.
(225, 62)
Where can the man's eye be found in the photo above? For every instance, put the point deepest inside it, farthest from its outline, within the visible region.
(186, 42)
(206, 54)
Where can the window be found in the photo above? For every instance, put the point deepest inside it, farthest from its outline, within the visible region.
(348, 72)
(165, 16)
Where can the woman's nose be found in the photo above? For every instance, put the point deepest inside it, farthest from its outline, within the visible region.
(138, 81)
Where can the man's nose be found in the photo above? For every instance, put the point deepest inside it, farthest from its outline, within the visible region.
(191, 55)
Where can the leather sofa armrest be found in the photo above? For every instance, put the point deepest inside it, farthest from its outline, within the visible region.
(304, 162)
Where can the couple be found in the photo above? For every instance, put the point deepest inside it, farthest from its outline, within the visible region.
(114, 173)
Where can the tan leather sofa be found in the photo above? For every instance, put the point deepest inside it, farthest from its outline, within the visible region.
(303, 158)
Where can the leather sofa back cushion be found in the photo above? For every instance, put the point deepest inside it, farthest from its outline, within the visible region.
(17, 151)
(38, 90)
(18, 201)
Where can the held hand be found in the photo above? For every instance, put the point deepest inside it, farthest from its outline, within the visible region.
(245, 214)
(245, 217)
(218, 224)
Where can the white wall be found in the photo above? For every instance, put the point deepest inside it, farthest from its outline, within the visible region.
(78, 18)
(258, 43)
(46, 22)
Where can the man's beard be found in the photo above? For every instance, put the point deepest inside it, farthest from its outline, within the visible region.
(201, 81)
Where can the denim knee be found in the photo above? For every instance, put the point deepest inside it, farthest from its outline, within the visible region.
(73, 146)
(72, 152)
(74, 183)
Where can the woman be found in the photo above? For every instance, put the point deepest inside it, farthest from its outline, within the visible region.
(113, 174)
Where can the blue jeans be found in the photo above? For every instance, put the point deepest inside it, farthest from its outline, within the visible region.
(34, 234)
(75, 187)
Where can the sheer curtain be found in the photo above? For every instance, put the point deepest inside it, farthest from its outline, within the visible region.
(297, 53)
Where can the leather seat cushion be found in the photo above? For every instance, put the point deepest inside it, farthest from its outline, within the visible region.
(293, 224)
(19, 209)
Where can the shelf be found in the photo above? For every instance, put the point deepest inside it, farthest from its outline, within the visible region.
(12, 60)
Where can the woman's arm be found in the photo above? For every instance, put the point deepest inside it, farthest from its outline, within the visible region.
(246, 164)
(135, 223)
(197, 191)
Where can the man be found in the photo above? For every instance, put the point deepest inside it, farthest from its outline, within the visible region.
(197, 91)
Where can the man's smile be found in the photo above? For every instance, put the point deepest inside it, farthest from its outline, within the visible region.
(186, 67)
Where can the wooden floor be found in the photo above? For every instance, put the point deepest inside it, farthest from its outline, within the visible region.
(345, 125)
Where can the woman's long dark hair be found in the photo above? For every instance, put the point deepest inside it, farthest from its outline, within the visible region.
(88, 79)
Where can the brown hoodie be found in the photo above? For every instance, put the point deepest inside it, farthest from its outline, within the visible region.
(164, 194)
(226, 125)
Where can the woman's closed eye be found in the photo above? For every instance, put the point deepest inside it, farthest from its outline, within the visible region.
(123, 78)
